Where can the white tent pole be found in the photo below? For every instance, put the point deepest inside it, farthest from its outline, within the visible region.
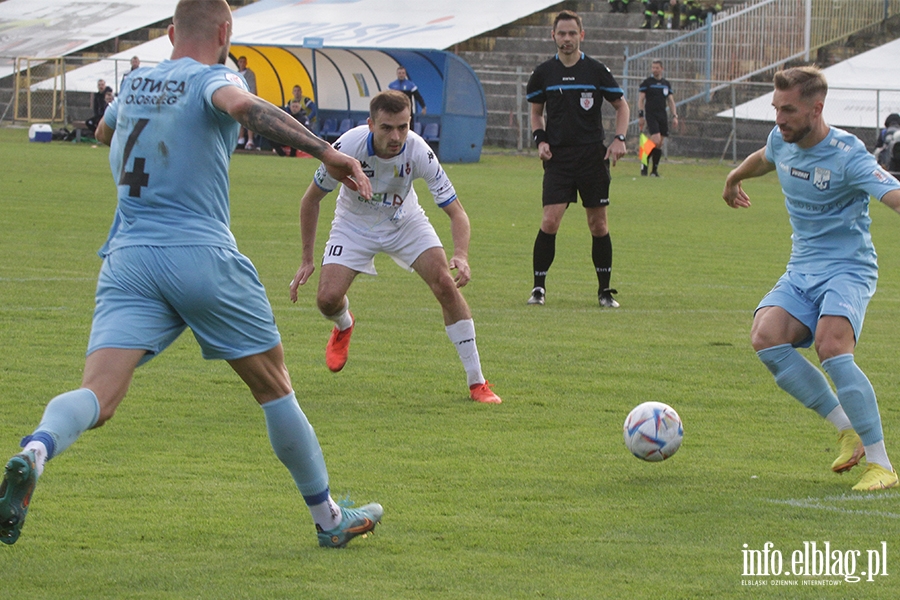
(807, 30)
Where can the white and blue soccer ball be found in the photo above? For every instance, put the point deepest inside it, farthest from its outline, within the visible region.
(653, 431)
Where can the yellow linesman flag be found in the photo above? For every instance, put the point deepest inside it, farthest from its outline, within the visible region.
(645, 149)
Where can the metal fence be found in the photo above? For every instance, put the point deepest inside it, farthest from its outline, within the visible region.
(754, 38)
(39, 92)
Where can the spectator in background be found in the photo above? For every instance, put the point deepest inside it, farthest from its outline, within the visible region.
(406, 85)
(696, 12)
(135, 64)
(307, 106)
(99, 101)
(654, 8)
(295, 109)
(245, 139)
(887, 148)
(675, 7)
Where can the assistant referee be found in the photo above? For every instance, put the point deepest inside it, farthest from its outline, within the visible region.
(656, 94)
(572, 87)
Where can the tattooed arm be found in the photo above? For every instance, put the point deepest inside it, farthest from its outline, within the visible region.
(271, 122)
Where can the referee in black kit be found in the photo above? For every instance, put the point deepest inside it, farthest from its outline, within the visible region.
(572, 87)
(655, 95)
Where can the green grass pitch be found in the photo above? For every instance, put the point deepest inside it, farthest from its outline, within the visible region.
(180, 495)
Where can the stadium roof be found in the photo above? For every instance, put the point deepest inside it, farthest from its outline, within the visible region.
(46, 28)
(853, 97)
(52, 28)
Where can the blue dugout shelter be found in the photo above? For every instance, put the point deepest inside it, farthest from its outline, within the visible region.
(342, 82)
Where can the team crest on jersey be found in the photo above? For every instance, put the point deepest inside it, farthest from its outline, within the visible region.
(587, 100)
(822, 179)
(236, 80)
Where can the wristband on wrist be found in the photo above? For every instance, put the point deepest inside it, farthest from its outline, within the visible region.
(641, 114)
(620, 137)
(539, 136)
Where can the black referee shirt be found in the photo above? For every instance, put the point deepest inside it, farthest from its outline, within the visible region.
(656, 93)
(572, 97)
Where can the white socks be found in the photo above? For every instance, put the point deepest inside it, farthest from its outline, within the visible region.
(342, 319)
(326, 515)
(462, 334)
(40, 454)
(839, 418)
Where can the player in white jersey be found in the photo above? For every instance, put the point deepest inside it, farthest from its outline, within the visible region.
(171, 262)
(393, 222)
(827, 177)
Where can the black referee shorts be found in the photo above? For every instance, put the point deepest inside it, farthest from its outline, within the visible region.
(575, 170)
(657, 124)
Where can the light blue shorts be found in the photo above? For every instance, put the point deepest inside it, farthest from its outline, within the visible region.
(807, 298)
(147, 295)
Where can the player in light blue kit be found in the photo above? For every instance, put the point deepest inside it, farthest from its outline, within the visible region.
(827, 176)
(171, 262)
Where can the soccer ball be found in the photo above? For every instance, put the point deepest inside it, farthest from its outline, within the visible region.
(653, 431)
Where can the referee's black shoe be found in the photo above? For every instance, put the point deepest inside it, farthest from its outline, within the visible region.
(606, 299)
(643, 170)
(537, 296)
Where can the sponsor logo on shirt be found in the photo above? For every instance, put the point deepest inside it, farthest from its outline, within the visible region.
(822, 179)
(800, 174)
(147, 91)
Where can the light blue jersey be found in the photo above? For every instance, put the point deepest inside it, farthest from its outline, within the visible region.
(827, 189)
(170, 261)
(172, 176)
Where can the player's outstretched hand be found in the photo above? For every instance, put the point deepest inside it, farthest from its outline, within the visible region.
(463, 272)
(302, 276)
(348, 171)
(735, 196)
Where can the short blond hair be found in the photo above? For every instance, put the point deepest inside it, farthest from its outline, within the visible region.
(809, 80)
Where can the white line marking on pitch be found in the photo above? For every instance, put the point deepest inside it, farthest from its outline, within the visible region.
(825, 504)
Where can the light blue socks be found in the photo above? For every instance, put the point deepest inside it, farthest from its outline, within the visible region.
(800, 378)
(65, 418)
(295, 444)
(857, 397)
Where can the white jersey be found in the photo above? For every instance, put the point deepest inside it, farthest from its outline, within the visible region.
(394, 200)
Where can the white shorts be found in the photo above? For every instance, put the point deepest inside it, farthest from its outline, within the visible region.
(356, 250)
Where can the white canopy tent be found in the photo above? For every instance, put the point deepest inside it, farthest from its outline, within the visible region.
(372, 24)
(53, 28)
(863, 90)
